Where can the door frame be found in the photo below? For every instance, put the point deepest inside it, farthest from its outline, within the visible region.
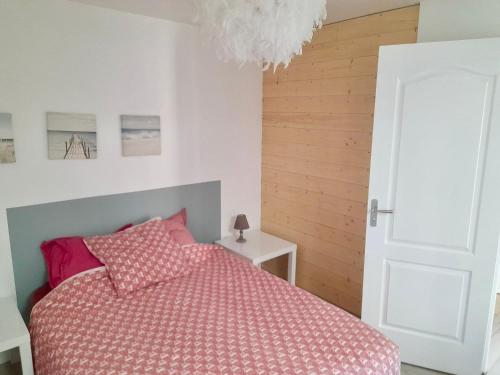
(493, 270)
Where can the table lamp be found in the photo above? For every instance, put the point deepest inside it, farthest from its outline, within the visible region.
(241, 224)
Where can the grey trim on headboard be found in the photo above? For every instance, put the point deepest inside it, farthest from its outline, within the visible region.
(31, 225)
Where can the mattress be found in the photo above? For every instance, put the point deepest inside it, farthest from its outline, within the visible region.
(226, 317)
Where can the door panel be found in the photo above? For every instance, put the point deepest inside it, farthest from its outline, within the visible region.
(415, 300)
(440, 117)
(430, 267)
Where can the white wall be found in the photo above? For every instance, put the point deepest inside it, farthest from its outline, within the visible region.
(458, 19)
(58, 55)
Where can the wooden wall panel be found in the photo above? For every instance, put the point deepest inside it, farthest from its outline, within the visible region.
(317, 124)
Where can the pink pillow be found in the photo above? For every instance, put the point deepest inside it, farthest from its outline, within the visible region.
(139, 257)
(179, 217)
(68, 256)
(176, 227)
(125, 227)
(179, 232)
(38, 295)
(65, 257)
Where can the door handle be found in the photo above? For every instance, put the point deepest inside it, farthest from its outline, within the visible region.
(374, 211)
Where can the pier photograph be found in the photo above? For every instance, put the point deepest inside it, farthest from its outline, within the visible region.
(7, 151)
(71, 136)
(141, 135)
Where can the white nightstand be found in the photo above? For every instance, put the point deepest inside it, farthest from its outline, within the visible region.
(261, 247)
(13, 333)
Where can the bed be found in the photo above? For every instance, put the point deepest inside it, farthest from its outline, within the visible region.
(225, 316)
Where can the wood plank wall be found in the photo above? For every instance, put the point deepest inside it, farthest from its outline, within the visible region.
(317, 127)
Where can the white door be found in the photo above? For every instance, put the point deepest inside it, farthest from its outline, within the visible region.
(430, 266)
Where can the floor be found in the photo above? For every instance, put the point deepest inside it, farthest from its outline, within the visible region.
(496, 319)
(8, 369)
(413, 370)
(494, 357)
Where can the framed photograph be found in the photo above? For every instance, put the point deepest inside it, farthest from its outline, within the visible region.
(7, 151)
(141, 135)
(71, 136)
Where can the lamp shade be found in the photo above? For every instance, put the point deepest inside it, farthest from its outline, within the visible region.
(241, 222)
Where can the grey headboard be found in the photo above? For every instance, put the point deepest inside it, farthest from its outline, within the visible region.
(31, 225)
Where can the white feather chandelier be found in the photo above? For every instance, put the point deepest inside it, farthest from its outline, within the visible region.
(268, 32)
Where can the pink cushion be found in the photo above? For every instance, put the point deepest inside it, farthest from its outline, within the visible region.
(125, 227)
(176, 227)
(65, 257)
(68, 256)
(139, 257)
(38, 295)
(179, 217)
(179, 232)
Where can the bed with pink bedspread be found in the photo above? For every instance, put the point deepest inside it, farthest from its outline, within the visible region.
(225, 317)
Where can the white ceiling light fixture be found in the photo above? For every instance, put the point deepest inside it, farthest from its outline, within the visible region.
(267, 32)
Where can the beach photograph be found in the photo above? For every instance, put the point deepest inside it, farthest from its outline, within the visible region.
(141, 135)
(7, 151)
(71, 136)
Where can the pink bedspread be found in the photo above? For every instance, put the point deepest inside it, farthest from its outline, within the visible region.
(226, 317)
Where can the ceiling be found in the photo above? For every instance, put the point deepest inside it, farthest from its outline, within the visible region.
(183, 10)
(173, 10)
(339, 10)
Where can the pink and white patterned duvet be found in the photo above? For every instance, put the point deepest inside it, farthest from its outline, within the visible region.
(226, 317)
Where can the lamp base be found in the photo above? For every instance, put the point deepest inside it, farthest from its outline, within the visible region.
(240, 238)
